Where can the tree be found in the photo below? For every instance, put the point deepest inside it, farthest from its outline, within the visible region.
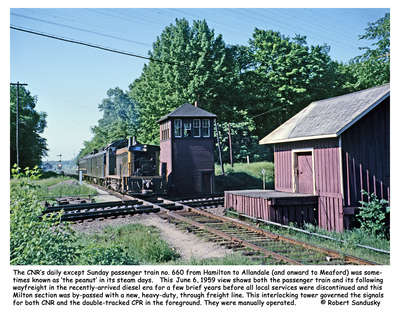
(118, 122)
(284, 76)
(118, 106)
(372, 68)
(32, 146)
(198, 67)
(244, 140)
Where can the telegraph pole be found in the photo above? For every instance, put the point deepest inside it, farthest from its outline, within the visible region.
(219, 148)
(17, 118)
(230, 144)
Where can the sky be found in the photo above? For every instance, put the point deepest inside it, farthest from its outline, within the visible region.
(70, 80)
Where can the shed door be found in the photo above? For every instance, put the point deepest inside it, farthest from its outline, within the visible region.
(304, 173)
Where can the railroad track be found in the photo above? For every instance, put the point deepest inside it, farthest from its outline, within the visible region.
(200, 202)
(260, 245)
(100, 210)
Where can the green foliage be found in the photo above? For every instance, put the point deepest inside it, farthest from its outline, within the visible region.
(372, 68)
(230, 260)
(244, 176)
(118, 122)
(58, 186)
(349, 238)
(372, 215)
(284, 76)
(112, 255)
(244, 140)
(46, 240)
(66, 190)
(200, 69)
(32, 147)
(252, 169)
(142, 244)
(34, 240)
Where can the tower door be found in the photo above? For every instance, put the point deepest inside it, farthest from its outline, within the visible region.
(304, 172)
(206, 182)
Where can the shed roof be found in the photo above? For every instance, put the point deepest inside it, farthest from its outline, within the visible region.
(328, 118)
(188, 110)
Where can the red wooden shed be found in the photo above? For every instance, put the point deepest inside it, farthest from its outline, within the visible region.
(187, 150)
(333, 149)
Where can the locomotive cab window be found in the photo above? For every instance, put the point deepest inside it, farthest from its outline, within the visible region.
(187, 128)
(178, 128)
(196, 128)
(205, 128)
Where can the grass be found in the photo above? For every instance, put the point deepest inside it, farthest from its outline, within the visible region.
(230, 259)
(56, 186)
(350, 238)
(66, 190)
(141, 243)
(144, 244)
(244, 176)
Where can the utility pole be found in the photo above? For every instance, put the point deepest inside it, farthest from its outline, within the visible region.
(17, 118)
(219, 149)
(230, 144)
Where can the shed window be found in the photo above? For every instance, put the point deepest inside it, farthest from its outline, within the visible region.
(205, 128)
(196, 128)
(178, 128)
(187, 128)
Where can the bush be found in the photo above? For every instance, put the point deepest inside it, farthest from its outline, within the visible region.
(33, 240)
(114, 255)
(372, 215)
(37, 240)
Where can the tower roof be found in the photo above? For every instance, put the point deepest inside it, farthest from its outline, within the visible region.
(188, 110)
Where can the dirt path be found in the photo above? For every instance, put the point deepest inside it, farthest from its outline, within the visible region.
(186, 244)
(102, 196)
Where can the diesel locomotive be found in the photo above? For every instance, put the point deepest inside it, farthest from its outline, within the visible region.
(126, 166)
(183, 164)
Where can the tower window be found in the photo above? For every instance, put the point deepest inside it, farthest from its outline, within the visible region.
(187, 128)
(196, 128)
(178, 128)
(205, 128)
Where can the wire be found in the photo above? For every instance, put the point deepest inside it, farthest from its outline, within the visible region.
(80, 29)
(90, 45)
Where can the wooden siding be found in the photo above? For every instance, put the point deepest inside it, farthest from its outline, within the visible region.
(327, 175)
(299, 210)
(366, 156)
(190, 161)
(191, 158)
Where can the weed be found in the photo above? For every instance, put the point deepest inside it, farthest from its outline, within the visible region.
(372, 215)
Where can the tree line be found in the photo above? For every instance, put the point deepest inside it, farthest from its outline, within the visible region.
(253, 87)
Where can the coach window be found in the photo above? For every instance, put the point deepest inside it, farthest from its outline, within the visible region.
(187, 128)
(205, 128)
(196, 128)
(178, 128)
